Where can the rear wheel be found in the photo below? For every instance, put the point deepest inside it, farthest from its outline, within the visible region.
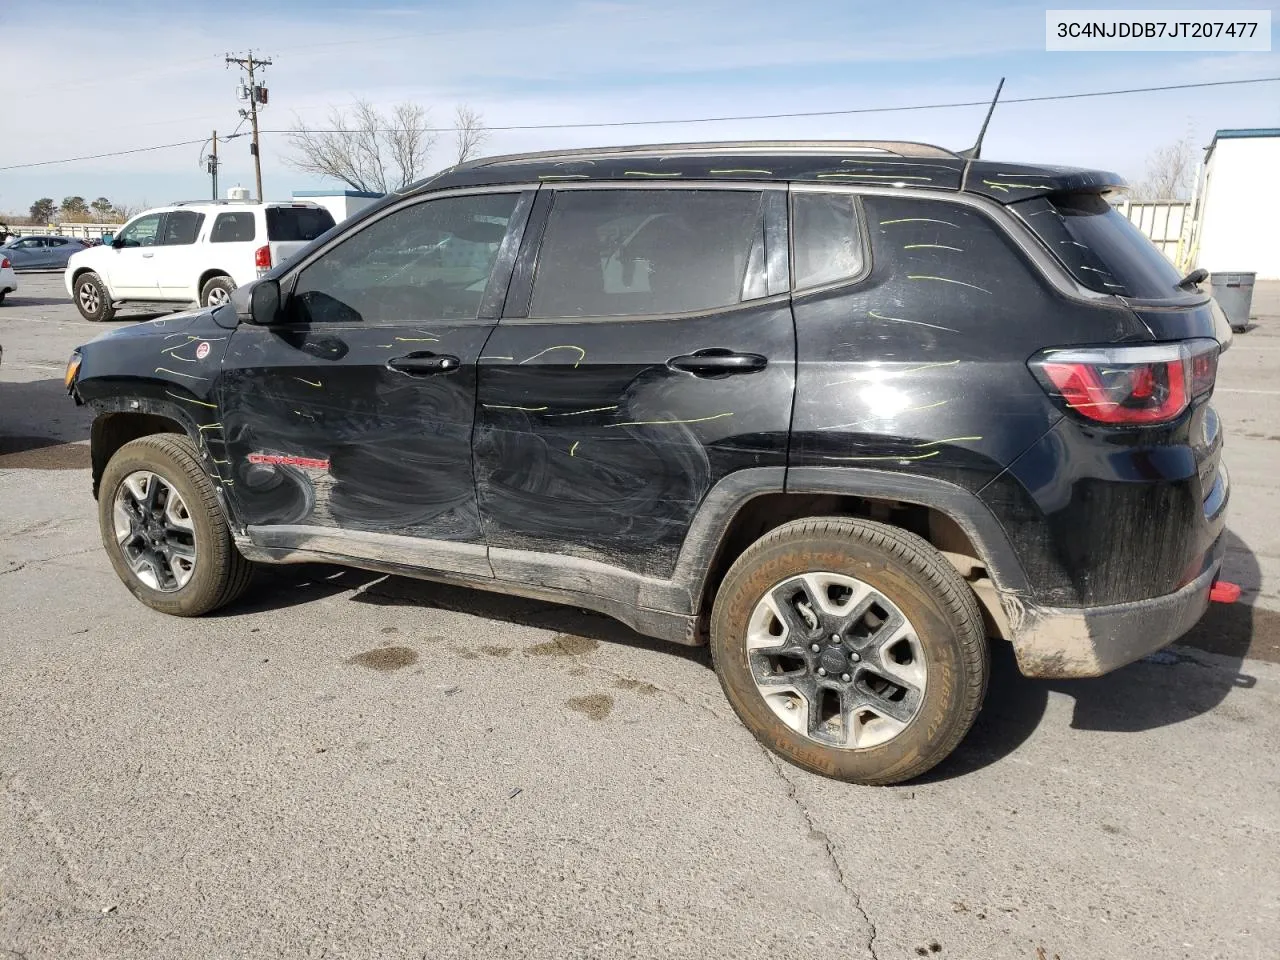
(164, 531)
(216, 291)
(850, 648)
(92, 299)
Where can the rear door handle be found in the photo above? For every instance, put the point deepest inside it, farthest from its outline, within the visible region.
(424, 363)
(718, 362)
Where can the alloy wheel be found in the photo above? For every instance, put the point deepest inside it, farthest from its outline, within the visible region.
(90, 299)
(155, 531)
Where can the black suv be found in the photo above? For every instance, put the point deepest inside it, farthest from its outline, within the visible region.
(844, 409)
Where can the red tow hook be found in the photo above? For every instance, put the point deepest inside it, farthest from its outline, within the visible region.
(1223, 591)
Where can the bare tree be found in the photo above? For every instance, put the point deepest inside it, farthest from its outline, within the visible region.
(1170, 171)
(470, 133)
(365, 149)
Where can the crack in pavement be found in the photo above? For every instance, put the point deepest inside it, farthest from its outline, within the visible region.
(828, 848)
(41, 560)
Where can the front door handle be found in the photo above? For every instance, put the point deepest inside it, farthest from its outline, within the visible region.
(718, 362)
(148, 255)
(424, 363)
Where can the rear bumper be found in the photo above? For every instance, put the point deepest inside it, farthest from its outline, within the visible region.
(1056, 642)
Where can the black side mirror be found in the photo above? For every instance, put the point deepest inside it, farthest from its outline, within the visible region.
(264, 302)
(117, 242)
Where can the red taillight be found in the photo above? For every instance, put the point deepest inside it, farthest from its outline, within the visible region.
(4, 263)
(262, 258)
(1137, 385)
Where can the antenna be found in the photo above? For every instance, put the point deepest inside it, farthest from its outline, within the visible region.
(976, 150)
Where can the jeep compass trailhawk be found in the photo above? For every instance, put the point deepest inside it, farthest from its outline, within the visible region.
(845, 410)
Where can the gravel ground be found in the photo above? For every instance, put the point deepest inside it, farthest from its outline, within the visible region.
(350, 765)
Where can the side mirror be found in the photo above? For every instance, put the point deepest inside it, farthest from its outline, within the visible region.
(264, 302)
(117, 242)
(109, 239)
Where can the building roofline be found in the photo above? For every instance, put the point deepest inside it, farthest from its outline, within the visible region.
(1240, 133)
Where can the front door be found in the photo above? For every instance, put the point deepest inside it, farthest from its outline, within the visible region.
(646, 351)
(132, 270)
(350, 421)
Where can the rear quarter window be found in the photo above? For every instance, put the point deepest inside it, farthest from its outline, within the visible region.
(294, 224)
(1101, 248)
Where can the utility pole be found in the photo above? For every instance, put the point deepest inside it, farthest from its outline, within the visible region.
(213, 165)
(256, 94)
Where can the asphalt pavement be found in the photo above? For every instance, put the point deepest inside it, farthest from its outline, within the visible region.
(349, 765)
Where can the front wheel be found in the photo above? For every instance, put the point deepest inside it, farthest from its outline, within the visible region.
(217, 291)
(850, 648)
(163, 530)
(92, 299)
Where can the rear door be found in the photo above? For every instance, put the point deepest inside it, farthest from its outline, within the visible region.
(347, 426)
(646, 352)
(233, 237)
(290, 228)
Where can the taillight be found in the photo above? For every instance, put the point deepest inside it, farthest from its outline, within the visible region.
(1133, 385)
(262, 258)
(4, 263)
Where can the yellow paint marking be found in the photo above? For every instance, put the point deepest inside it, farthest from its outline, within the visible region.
(858, 423)
(222, 463)
(575, 413)
(885, 223)
(645, 173)
(743, 170)
(199, 403)
(931, 246)
(655, 423)
(497, 358)
(506, 406)
(209, 426)
(384, 344)
(418, 339)
(900, 373)
(918, 323)
(958, 283)
(563, 176)
(310, 383)
(582, 354)
(1006, 187)
(873, 176)
(574, 447)
(175, 373)
(918, 456)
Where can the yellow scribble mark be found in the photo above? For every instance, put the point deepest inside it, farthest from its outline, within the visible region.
(959, 283)
(917, 323)
(743, 170)
(916, 456)
(221, 463)
(655, 423)
(575, 413)
(582, 354)
(873, 176)
(384, 344)
(210, 426)
(885, 223)
(175, 373)
(887, 416)
(934, 443)
(310, 383)
(931, 246)
(199, 403)
(900, 373)
(511, 406)
(645, 173)
(497, 358)
(563, 176)
(574, 447)
(1006, 187)
(418, 339)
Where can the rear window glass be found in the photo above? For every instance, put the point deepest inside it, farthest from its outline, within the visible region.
(827, 238)
(297, 223)
(1101, 248)
(233, 228)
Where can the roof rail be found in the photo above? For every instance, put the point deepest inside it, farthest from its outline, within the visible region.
(894, 148)
(191, 203)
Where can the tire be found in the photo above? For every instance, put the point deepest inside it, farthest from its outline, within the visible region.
(3, 294)
(219, 288)
(219, 573)
(940, 662)
(91, 298)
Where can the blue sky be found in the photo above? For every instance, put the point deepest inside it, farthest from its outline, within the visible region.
(155, 74)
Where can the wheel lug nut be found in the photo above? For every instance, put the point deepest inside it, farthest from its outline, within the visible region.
(822, 671)
(835, 638)
(845, 677)
(814, 647)
(854, 656)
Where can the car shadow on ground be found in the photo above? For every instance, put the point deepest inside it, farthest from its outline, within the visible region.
(1132, 699)
(40, 426)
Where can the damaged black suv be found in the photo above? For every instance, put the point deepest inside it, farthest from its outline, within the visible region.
(845, 410)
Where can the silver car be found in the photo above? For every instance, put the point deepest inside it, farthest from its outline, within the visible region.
(42, 252)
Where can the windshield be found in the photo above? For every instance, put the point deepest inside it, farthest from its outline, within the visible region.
(297, 223)
(1101, 248)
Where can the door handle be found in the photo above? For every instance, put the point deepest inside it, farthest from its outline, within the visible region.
(718, 362)
(148, 255)
(424, 363)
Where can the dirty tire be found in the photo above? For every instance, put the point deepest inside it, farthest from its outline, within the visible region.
(906, 570)
(91, 298)
(3, 294)
(221, 573)
(218, 288)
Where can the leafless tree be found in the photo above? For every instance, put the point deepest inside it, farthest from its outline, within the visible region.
(470, 133)
(365, 149)
(1170, 172)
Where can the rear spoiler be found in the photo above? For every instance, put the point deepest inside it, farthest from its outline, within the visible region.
(1011, 182)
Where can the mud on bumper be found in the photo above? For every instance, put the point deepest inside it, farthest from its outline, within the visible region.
(1058, 642)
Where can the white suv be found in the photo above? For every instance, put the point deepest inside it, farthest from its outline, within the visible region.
(190, 252)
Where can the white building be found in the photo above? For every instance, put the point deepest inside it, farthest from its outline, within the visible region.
(340, 203)
(1239, 228)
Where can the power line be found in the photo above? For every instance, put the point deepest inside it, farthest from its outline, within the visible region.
(721, 119)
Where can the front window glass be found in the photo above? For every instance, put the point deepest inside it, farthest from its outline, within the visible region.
(142, 232)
